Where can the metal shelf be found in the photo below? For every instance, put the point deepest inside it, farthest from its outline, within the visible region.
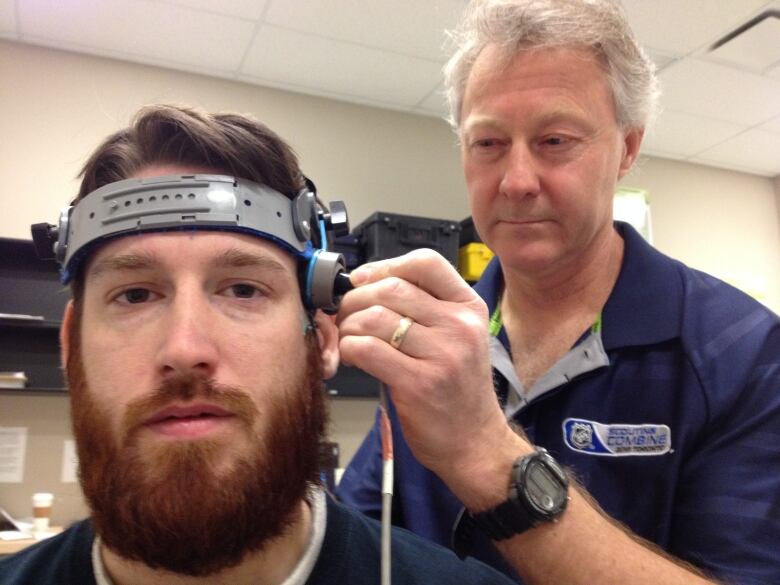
(24, 323)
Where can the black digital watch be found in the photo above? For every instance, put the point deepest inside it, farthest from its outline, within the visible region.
(538, 493)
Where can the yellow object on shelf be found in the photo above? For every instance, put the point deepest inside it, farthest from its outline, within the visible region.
(472, 260)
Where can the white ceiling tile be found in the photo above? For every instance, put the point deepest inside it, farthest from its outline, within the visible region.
(756, 49)
(660, 59)
(753, 149)
(409, 27)
(774, 72)
(716, 91)
(686, 25)
(7, 16)
(339, 67)
(435, 101)
(139, 28)
(140, 59)
(771, 126)
(686, 135)
(249, 9)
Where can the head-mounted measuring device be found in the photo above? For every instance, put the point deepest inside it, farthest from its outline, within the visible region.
(205, 202)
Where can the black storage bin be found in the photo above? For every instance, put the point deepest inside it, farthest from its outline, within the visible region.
(353, 382)
(32, 302)
(468, 233)
(352, 249)
(387, 235)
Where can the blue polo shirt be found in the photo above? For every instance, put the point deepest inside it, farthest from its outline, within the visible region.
(669, 416)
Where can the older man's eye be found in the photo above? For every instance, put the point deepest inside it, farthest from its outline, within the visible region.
(485, 143)
(555, 141)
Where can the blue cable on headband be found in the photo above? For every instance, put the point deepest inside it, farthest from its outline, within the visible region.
(323, 239)
(310, 275)
(313, 262)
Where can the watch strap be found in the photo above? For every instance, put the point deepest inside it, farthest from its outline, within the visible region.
(489, 523)
(505, 520)
(463, 531)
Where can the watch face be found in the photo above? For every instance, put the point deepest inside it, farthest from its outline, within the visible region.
(543, 488)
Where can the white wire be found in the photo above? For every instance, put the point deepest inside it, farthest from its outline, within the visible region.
(387, 486)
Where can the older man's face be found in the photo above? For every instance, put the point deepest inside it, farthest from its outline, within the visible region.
(197, 398)
(542, 153)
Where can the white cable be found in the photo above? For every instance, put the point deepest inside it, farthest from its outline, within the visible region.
(387, 485)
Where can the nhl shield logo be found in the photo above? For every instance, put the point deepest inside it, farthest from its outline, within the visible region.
(581, 435)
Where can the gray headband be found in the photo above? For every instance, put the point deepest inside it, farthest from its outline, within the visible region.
(204, 202)
(186, 202)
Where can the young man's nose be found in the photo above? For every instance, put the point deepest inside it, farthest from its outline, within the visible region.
(188, 337)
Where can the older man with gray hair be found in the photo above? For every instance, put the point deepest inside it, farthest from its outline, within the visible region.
(634, 438)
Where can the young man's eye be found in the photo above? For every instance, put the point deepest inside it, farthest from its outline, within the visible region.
(243, 291)
(135, 295)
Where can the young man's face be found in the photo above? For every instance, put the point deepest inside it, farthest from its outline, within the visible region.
(197, 399)
(222, 306)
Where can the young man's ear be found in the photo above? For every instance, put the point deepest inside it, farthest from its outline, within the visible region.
(328, 338)
(67, 323)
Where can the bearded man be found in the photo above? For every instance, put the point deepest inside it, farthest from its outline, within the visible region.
(195, 359)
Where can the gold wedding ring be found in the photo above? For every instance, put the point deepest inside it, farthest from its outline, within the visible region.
(400, 332)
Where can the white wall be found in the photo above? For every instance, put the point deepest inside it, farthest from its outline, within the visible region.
(723, 222)
(55, 107)
(777, 193)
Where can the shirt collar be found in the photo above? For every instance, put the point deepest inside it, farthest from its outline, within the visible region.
(648, 280)
(646, 304)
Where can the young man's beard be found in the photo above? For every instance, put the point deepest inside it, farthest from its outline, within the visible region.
(165, 505)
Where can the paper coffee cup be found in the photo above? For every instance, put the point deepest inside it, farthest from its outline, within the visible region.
(42, 503)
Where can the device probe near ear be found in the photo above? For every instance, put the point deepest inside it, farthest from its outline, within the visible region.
(326, 281)
(343, 284)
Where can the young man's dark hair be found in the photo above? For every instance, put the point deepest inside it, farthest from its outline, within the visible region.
(237, 145)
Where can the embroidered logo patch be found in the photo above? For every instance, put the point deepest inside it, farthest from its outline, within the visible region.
(616, 440)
